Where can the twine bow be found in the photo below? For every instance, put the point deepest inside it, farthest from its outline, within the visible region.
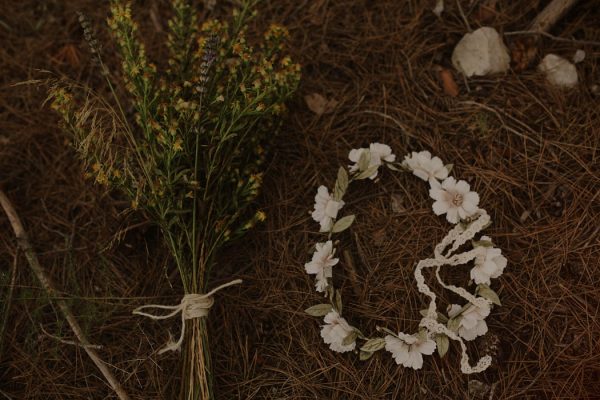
(194, 305)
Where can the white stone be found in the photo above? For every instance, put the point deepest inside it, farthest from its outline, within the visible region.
(559, 72)
(579, 56)
(481, 52)
(439, 8)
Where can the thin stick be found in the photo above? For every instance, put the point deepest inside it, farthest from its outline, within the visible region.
(551, 14)
(464, 17)
(70, 342)
(504, 125)
(402, 127)
(352, 272)
(6, 310)
(540, 27)
(550, 36)
(32, 259)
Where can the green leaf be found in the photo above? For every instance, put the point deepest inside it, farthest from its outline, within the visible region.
(341, 184)
(351, 338)
(486, 292)
(343, 224)
(454, 323)
(404, 167)
(329, 292)
(463, 309)
(319, 310)
(368, 172)
(443, 343)
(365, 355)
(338, 302)
(386, 330)
(449, 168)
(360, 334)
(440, 317)
(422, 335)
(392, 166)
(364, 160)
(482, 243)
(373, 345)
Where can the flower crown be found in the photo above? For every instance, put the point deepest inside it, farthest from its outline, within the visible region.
(460, 205)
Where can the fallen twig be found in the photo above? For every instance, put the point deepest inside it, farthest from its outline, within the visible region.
(525, 50)
(32, 259)
(6, 309)
(402, 127)
(70, 342)
(504, 125)
(551, 14)
(464, 17)
(556, 38)
(6, 395)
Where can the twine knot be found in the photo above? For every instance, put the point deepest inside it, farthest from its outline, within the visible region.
(193, 305)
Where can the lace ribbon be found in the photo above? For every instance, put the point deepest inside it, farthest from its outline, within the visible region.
(455, 238)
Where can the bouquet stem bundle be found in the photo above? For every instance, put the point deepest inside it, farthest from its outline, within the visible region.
(186, 146)
(197, 379)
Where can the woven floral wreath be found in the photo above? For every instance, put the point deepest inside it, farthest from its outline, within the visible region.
(461, 322)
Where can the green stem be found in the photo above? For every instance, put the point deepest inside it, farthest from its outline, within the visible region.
(176, 252)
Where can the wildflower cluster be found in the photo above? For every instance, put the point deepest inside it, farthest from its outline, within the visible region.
(192, 152)
(460, 204)
(186, 145)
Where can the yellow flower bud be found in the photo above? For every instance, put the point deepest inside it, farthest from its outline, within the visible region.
(177, 145)
(261, 216)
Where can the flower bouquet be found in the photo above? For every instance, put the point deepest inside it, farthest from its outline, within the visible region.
(185, 146)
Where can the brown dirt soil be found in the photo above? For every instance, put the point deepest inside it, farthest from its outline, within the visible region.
(530, 150)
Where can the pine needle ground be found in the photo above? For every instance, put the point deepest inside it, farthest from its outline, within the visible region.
(528, 149)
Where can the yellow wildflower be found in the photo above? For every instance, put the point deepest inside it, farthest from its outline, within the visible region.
(261, 216)
(177, 145)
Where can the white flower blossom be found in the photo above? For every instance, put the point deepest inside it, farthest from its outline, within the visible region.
(321, 263)
(326, 208)
(472, 322)
(424, 166)
(354, 156)
(455, 199)
(378, 152)
(408, 350)
(489, 263)
(335, 331)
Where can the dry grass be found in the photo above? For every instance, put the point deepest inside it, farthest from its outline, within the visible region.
(528, 149)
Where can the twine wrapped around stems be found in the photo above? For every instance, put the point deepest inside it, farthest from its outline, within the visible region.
(193, 305)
